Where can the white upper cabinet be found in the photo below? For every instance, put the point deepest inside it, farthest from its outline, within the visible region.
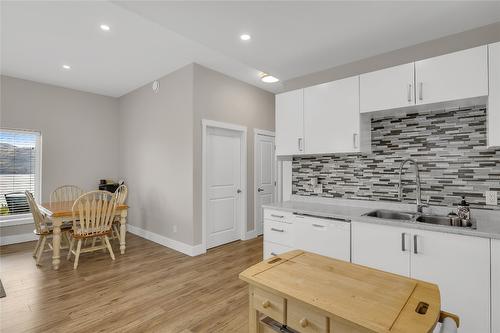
(331, 117)
(289, 123)
(495, 285)
(494, 96)
(453, 76)
(388, 88)
(381, 247)
(460, 266)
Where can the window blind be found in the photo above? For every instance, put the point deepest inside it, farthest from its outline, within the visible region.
(19, 170)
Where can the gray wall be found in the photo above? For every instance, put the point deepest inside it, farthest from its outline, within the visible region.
(222, 98)
(461, 41)
(79, 133)
(156, 155)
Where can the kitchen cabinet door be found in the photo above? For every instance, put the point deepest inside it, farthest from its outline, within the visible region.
(388, 88)
(382, 247)
(460, 266)
(495, 285)
(331, 117)
(289, 123)
(453, 76)
(494, 95)
(323, 236)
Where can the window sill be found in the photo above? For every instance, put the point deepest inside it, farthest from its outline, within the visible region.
(9, 221)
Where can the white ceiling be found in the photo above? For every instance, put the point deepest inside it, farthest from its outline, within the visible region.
(152, 38)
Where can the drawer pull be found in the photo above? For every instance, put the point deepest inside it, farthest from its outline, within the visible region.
(278, 216)
(273, 254)
(278, 230)
(266, 304)
(318, 225)
(303, 322)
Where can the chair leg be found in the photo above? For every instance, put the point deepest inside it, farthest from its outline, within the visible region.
(37, 246)
(103, 243)
(40, 249)
(77, 253)
(71, 245)
(109, 247)
(116, 232)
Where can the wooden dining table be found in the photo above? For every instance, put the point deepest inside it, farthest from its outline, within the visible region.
(61, 212)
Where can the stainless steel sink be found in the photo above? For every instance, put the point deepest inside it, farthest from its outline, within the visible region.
(437, 219)
(391, 214)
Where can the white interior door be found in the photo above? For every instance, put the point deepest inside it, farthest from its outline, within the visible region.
(223, 186)
(264, 176)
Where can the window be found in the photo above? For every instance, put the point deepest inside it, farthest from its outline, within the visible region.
(20, 167)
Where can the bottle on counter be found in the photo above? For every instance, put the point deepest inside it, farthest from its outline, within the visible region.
(464, 212)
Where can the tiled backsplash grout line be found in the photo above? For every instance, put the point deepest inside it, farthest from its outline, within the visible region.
(449, 145)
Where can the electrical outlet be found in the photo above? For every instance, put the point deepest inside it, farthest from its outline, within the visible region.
(174, 228)
(491, 197)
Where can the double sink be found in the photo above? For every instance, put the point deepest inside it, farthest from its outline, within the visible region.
(415, 217)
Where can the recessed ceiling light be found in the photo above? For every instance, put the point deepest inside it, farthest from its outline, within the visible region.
(245, 37)
(67, 67)
(264, 77)
(105, 27)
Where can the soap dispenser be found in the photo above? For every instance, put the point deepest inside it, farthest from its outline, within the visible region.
(464, 212)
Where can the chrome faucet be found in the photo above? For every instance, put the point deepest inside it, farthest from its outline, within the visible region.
(420, 206)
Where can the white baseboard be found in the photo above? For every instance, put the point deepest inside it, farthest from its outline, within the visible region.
(190, 250)
(250, 235)
(20, 238)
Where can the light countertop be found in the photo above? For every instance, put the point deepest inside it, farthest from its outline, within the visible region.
(487, 222)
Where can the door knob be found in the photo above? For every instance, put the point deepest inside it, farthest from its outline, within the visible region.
(260, 189)
(238, 191)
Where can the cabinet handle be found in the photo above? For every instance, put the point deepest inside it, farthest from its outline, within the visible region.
(415, 245)
(304, 322)
(403, 241)
(278, 230)
(421, 91)
(299, 143)
(354, 140)
(266, 304)
(278, 216)
(409, 92)
(273, 254)
(318, 225)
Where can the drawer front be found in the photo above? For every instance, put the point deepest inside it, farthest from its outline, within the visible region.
(269, 304)
(278, 216)
(304, 319)
(323, 236)
(272, 249)
(279, 233)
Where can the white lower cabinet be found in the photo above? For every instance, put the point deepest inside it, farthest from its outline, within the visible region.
(381, 247)
(272, 249)
(495, 285)
(284, 232)
(458, 264)
(327, 237)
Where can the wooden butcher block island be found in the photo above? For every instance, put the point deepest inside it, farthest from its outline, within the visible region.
(311, 293)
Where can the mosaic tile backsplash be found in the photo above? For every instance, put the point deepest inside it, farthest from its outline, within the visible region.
(449, 146)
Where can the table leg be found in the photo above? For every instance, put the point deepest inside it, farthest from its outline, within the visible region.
(123, 230)
(56, 243)
(253, 316)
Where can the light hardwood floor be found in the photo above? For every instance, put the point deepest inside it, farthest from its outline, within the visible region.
(149, 289)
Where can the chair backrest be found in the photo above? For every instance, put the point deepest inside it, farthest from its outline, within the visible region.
(93, 213)
(121, 194)
(39, 219)
(66, 193)
(17, 203)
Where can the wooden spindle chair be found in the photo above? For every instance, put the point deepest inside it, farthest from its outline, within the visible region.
(121, 195)
(93, 216)
(66, 193)
(43, 228)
